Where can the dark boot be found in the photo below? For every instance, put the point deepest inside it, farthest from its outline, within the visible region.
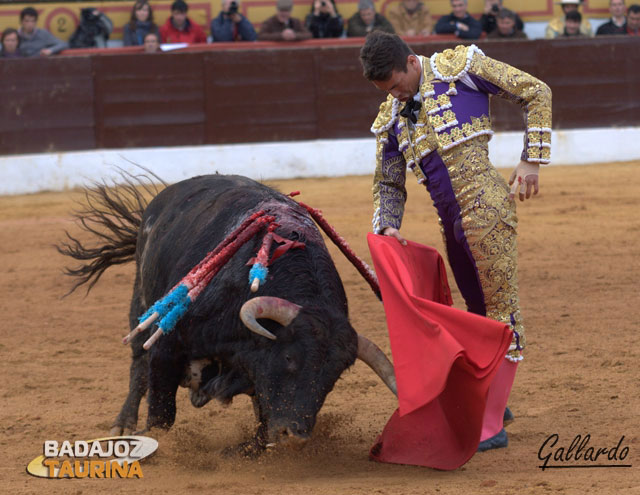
(497, 441)
(508, 417)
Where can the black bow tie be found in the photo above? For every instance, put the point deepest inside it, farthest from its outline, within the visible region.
(408, 112)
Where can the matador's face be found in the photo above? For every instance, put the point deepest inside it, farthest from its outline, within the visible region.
(403, 85)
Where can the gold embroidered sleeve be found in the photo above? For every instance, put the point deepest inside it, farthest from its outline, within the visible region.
(389, 193)
(530, 93)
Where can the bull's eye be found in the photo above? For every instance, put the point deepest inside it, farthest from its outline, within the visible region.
(290, 363)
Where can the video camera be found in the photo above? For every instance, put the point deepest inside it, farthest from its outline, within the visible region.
(89, 16)
(90, 22)
(233, 8)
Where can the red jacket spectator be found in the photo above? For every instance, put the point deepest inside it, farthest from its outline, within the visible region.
(191, 33)
(179, 28)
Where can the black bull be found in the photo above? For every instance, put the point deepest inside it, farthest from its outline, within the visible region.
(211, 350)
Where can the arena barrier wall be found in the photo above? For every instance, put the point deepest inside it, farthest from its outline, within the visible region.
(278, 92)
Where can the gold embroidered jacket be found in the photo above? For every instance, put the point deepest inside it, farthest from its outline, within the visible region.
(455, 94)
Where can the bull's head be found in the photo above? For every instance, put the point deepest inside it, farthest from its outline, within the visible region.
(307, 358)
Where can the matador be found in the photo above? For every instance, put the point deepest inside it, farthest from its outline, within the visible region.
(435, 122)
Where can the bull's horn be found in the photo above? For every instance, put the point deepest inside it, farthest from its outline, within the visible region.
(376, 359)
(274, 308)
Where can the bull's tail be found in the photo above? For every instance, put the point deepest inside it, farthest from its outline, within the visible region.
(112, 215)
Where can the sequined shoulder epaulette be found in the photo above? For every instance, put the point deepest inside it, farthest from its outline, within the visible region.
(386, 116)
(451, 65)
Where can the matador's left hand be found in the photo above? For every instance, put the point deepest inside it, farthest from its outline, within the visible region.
(524, 180)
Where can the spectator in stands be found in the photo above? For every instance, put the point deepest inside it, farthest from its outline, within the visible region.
(10, 42)
(324, 21)
(410, 18)
(151, 42)
(572, 22)
(93, 31)
(283, 27)
(507, 26)
(489, 19)
(140, 23)
(459, 22)
(231, 25)
(617, 22)
(633, 20)
(555, 27)
(366, 20)
(35, 41)
(179, 28)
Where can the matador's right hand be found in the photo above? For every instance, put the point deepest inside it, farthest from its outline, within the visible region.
(391, 232)
(523, 180)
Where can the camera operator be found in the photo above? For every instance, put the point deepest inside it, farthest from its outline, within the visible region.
(93, 31)
(231, 25)
(324, 20)
(489, 16)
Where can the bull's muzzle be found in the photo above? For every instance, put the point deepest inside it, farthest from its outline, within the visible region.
(288, 434)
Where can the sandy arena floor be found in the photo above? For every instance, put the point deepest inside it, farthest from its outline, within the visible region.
(65, 372)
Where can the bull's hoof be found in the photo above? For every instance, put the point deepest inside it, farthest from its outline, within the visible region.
(497, 441)
(119, 430)
(508, 417)
(199, 398)
(116, 431)
(142, 432)
(249, 450)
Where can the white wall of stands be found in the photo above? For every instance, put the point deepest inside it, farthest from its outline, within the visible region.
(21, 174)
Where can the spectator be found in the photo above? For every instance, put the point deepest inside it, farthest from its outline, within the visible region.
(507, 26)
(324, 21)
(93, 31)
(572, 22)
(140, 23)
(283, 27)
(366, 20)
(410, 18)
(617, 22)
(35, 41)
(10, 42)
(151, 42)
(555, 27)
(179, 28)
(489, 19)
(633, 20)
(459, 22)
(231, 25)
